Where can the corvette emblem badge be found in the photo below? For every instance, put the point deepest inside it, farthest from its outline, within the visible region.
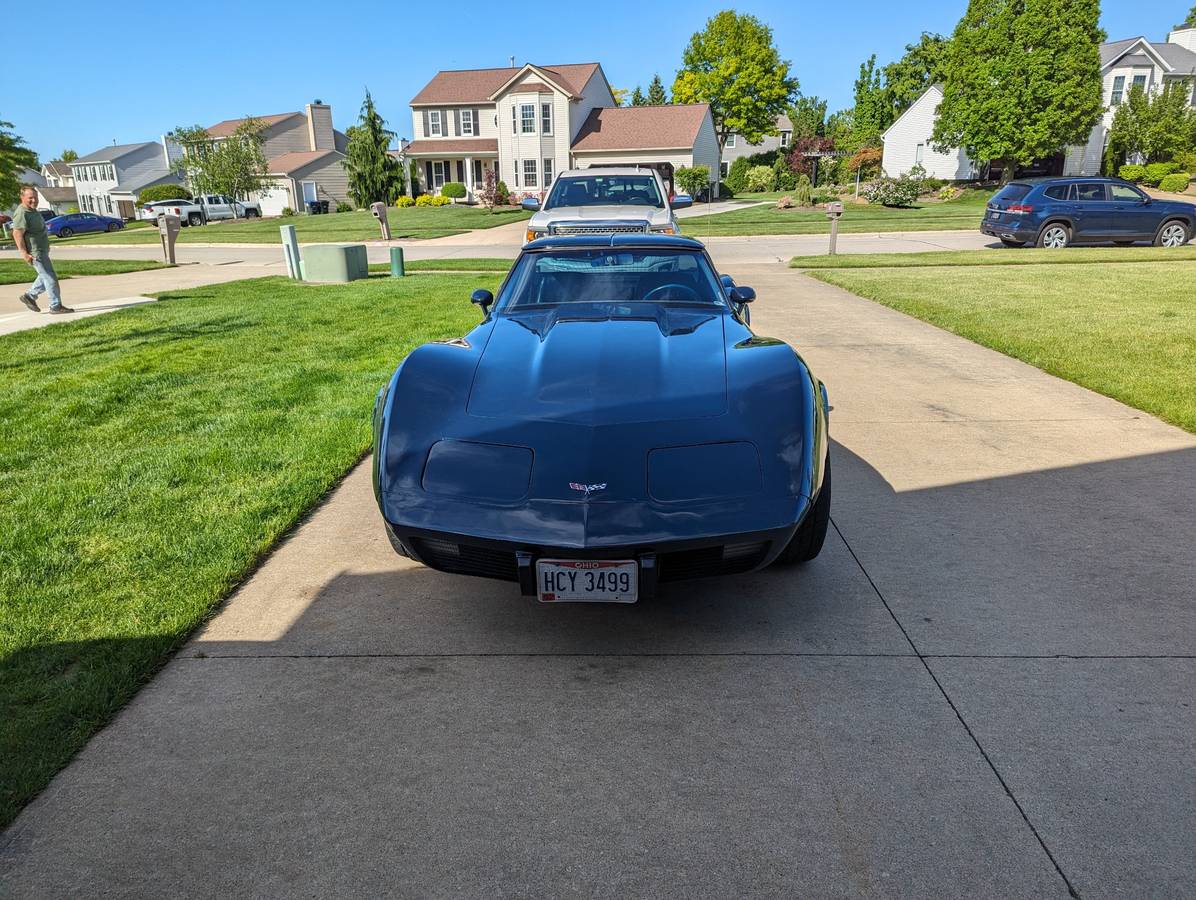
(587, 489)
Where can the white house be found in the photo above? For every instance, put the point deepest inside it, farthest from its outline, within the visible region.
(528, 123)
(107, 181)
(1135, 61)
(907, 143)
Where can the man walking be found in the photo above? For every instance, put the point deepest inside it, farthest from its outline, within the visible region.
(33, 243)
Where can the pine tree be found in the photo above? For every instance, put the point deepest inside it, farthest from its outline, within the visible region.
(638, 98)
(374, 175)
(1021, 80)
(656, 92)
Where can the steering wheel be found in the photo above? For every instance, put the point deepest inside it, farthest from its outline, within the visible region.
(686, 292)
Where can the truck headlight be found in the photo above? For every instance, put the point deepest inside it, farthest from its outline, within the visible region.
(534, 233)
(663, 229)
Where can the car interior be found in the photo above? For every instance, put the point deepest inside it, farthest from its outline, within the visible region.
(614, 277)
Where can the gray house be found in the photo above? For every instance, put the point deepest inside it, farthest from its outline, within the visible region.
(736, 146)
(107, 181)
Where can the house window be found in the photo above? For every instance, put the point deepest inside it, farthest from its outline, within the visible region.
(527, 118)
(1118, 90)
(1140, 81)
(785, 135)
(108, 203)
(529, 173)
(434, 129)
(545, 118)
(467, 121)
(730, 141)
(919, 153)
(723, 169)
(514, 119)
(437, 174)
(547, 171)
(515, 177)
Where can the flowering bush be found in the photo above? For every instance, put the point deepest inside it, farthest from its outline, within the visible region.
(760, 178)
(893, 191)
(405, 201)
(949, 192)
(424, 200)
(441, 200)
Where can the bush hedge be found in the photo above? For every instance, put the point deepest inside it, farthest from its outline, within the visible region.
(760, 178)
(344, 207)
(502, 194)
(1132, 173)
(1175, 183)
(157, 192)
(693, 179)
(454, 190)
(404, 202)
(1156, 172)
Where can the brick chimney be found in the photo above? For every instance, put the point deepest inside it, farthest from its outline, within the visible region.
(319, 126)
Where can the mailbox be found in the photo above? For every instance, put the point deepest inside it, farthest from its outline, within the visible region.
(834, 209)
(168, 230)
(379, 212)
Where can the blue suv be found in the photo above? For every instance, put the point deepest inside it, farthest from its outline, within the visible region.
(1056, 212)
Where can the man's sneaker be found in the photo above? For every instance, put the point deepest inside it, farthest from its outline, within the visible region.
(60, 310)
(29, 302)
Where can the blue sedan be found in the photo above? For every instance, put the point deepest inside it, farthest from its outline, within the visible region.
(1056, 212)
(82, 223)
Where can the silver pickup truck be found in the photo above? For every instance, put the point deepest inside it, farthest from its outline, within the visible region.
(605, 201)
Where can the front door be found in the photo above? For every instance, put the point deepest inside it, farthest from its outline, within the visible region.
(309, 192)
(125, 209)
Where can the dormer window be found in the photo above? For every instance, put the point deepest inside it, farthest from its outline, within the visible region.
(435, 129)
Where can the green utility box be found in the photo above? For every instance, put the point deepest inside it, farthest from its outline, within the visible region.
(335, 262)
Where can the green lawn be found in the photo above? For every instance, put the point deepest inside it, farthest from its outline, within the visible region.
(994, 257)
(17, 271)
(150, 457)
(1127, 330)
(960, 214)
(464, 264)
(351, 226)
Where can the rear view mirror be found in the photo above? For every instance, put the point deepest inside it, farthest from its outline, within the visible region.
(682, 201)
(482, 298)
(531, 204)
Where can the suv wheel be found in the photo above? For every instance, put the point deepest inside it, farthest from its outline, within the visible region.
(1055, 236)
(1172, 234)
(194, 219)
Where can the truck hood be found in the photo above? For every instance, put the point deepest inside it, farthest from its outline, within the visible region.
(589, 367)
(562, 214)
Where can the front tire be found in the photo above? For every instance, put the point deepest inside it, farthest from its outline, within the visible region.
(251, 214)
(1056, 236)
(807, 541)
(1174, 233)
(113, 227)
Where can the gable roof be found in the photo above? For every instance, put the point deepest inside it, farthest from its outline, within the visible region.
(1172, 58)
(228, 126)
(642, 127)
(60, 169)
(936, 88)
(479, 85)
(293, 162)
(111, 154)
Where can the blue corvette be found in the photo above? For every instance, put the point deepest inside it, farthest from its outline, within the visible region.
(611, 424)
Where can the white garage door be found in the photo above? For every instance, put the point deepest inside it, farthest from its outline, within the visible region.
(274, 200)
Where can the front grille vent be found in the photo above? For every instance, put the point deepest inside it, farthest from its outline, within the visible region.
(730, 559)
(600, 228)
(464, 559)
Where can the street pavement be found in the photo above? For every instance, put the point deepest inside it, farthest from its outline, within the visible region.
(982, 687)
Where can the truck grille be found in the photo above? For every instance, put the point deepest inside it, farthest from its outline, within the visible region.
(600, 228)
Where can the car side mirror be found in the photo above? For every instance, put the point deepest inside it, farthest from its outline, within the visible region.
(1145, 201)
(531, 204)
(482, 298)
(742, 294)
(682, 201)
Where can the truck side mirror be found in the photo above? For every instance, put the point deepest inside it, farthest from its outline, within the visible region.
(531, 204)
(682, 201)
(482, 298)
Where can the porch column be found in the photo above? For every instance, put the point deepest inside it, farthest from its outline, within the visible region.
(469, 179)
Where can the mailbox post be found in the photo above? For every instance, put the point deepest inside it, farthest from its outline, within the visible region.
(834, 209)
(379, 211)
(168, 231)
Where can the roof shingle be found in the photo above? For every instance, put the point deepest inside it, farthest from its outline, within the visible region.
(465, 145)
(293, 162)
(228, 126)
(642, 127)
(476, 85)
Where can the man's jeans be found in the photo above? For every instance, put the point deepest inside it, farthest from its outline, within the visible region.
(47, 281)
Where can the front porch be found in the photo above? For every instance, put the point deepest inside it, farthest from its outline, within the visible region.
(441, 162)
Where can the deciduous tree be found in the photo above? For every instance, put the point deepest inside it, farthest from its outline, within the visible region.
(15, 157)
(68, 156)
(732, 65)
(234, 166)
(374, 175)
(656, 92)
(923, 64)
(871, 113)
(808, 117)
(620, 94)
(1022, 80)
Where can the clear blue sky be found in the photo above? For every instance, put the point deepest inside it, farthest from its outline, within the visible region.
(230, 59)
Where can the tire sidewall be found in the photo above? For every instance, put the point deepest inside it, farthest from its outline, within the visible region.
(1042, 235)
(1158, 238)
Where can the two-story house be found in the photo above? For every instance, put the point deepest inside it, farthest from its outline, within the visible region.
(305, 156)
(736, 146)
(1124, 64)
(528, 123)
(107, 181)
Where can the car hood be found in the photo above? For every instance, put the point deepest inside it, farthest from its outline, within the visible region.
(649, 214)
(594, 368)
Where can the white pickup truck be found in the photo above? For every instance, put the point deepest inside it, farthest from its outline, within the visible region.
(203, 209)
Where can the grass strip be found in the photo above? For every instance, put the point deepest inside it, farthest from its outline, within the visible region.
(17, 271)
(472, 264)
(995, 257)
(150, 457)
(1126, 331)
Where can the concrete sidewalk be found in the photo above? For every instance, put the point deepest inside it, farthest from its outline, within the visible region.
(982, 687)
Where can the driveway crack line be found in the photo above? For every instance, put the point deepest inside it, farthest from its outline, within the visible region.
(1071, 889)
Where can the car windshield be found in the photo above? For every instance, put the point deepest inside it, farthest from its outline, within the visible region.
(605, 190)
(610, 276)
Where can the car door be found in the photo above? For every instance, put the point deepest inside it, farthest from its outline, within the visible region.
(1091, 216)
(89, 222)
(1130, 215)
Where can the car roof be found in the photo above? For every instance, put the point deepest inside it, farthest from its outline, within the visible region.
(603, 241)
(1054, 179)
(607, 170)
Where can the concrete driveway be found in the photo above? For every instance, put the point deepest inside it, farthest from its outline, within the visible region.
(982, 687)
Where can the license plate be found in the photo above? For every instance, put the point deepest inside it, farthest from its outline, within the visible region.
(587, 580)
(995, 216)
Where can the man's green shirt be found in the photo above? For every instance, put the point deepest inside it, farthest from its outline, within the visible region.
(37, 241)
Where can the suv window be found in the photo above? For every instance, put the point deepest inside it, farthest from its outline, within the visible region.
(1012, 192)
(1124, 192)
(1058, 191)
(1089, 191)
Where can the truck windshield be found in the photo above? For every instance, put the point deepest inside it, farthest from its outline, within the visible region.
(605, 190)
(610, 276)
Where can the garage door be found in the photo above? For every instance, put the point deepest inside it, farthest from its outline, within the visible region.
(274, 200)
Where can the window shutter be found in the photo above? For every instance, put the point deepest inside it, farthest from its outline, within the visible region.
(516, 180)
(476, 130)
(457, 122)
(427, 127)
(461, 170)
(428, 170)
